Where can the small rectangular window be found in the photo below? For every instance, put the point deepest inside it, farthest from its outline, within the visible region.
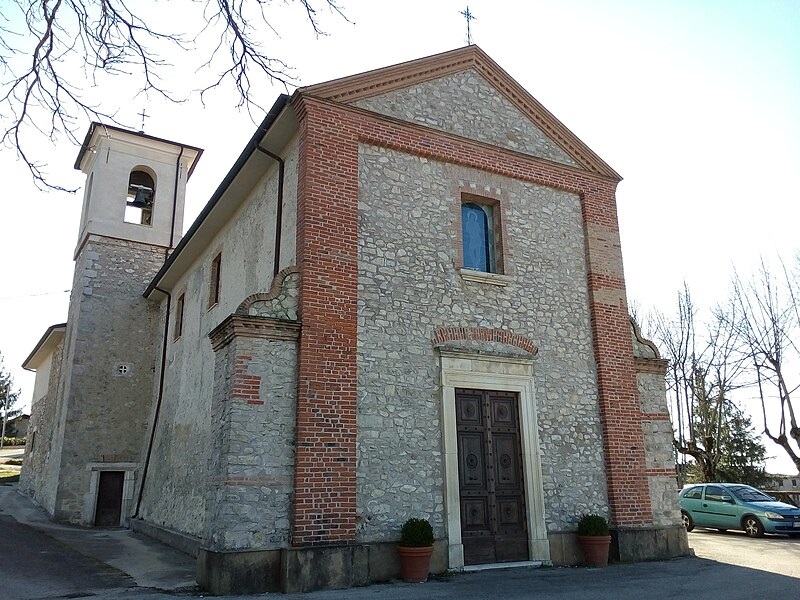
(477, 237)
(213, 291)
(481, 235)
(179, 316)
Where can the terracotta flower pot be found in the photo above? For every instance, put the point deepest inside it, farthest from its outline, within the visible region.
(595, 549)
(415, 562)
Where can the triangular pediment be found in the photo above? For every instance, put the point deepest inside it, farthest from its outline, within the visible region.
(495, 109)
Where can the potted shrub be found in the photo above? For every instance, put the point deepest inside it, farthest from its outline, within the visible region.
(595, 539)
(415, 549)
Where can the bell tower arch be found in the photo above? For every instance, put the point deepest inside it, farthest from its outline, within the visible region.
(131, 219)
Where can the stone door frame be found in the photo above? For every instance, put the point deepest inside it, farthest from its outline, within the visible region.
(128, 484)
(506, 374)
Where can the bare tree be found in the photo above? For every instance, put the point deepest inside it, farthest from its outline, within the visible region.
(769, 328)
(50, 48)
(702, 373)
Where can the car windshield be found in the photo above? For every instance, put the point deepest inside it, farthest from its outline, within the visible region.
(748, 494)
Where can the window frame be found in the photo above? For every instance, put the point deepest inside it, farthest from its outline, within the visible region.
(214, 281)
(180, 304)
(495, 208)
(488, 237)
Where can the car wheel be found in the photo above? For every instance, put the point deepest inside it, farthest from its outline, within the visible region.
(752, 527)
(687, 521)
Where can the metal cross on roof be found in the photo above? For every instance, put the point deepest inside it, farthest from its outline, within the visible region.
(469, 17)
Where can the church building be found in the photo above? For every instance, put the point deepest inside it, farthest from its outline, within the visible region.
(406, 299)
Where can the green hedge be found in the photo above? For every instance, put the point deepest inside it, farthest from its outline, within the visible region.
(9, 441)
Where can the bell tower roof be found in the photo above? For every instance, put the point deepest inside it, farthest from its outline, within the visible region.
(97, 129)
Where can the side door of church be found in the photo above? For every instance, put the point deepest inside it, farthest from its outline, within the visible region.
(109, 499)
(490, 473)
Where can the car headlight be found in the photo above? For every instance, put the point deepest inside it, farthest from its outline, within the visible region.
(772, 515)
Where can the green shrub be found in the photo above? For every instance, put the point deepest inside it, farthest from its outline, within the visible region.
(13, 441)
(592, 525)
(416, 532)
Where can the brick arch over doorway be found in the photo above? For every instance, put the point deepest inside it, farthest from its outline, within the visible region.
(483, 334)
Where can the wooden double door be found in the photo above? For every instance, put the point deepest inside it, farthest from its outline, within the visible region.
(490, 472)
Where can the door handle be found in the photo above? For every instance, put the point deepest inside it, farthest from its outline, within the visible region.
(705, 505)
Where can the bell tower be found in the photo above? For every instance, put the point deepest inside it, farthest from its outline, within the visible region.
(131, 219)
(135, 186)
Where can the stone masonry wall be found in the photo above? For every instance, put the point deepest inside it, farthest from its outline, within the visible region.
(482, 114)
(41, 461)
(175, 492)
(250, 483)
(112, 347)
(409, 287)
(656, 430)
(660, 460)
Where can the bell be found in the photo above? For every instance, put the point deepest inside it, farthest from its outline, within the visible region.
(143, 198)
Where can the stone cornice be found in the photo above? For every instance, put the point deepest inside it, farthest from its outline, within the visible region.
(303, 103)
(651, 365)
(253, 327)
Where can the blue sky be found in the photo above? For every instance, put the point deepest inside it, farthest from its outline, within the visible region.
(694, 103)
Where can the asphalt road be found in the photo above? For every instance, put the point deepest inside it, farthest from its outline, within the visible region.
(42, 561)
(34, 565)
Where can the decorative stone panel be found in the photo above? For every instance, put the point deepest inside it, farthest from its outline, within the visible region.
(280, 302)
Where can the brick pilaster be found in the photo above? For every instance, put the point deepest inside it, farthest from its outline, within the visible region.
(327, 239)
(620, 412)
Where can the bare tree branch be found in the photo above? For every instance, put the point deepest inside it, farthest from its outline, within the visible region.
(703, 372)
(768, 327)
(50, 48)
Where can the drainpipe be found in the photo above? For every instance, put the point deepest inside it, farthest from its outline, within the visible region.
(279, 212)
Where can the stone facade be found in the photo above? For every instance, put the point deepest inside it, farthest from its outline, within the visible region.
(183, 440)
(306, 410)
(465, 104)
(409, 286)
(38, 477)
(248, 502)
(105, 396)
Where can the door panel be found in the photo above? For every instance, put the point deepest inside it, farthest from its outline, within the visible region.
(109, 499)
(493, 516)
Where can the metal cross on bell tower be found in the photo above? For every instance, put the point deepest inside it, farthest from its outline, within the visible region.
(469, 17)
(144, 116)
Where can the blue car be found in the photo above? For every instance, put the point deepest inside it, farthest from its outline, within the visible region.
(726, 506)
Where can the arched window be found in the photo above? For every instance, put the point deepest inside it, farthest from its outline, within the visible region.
(477, 236)
(141, 193)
